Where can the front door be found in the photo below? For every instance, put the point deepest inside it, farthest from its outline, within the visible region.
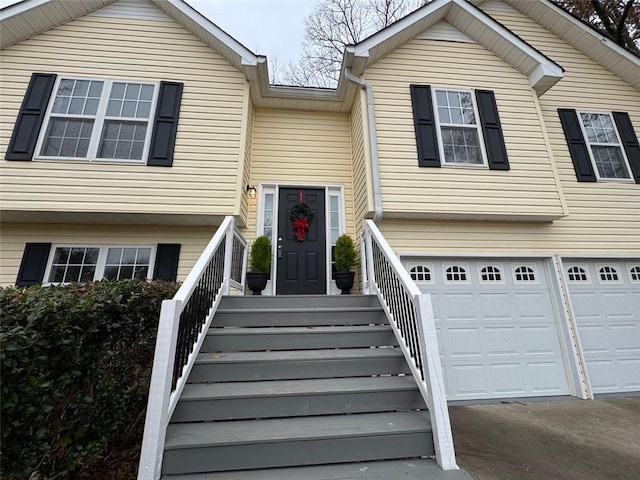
(301, 262)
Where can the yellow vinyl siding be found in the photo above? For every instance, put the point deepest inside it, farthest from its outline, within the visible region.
(245, 178)
(527, 191)
(301, 148)
(205, 169)
(362, 190)
(16, 235)
(579, 238)
(603, 216)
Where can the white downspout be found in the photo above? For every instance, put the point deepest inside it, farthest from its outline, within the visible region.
(373, 144)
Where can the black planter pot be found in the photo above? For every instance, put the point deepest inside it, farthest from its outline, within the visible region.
(344, 281)
(257, 281)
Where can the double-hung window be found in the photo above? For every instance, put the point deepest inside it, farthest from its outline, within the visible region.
(605, 147)
(95, 119)
(460, 136)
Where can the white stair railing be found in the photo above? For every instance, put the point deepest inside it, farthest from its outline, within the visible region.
(411, 317)
(184, 321)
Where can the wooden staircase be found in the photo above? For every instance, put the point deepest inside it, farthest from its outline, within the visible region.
(301, 387)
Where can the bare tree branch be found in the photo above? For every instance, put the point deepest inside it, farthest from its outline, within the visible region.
(335, 24)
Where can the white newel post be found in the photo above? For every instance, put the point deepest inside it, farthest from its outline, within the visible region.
(155, 426)
(432, 369)
(371, 273)
(363, 264)
(228, 257)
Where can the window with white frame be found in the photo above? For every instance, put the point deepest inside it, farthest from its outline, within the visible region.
(459, 132)
(268, 215)
(334, 215)
(71, 263)
(95, 119)
(605, 148)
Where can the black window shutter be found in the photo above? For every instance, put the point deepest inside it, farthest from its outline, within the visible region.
(629, 142)
(577, 145)
(492, 130)
(33, 265)
(30, 117)
(424, 123)
(166, 266)
(165, 124)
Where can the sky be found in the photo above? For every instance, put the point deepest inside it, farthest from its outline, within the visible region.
(274, 28)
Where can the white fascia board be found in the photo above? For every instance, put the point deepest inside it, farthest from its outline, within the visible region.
(546, 73)
(362, 49)
(593, 33)
(20, 7)
(548, 66)
(246, 56)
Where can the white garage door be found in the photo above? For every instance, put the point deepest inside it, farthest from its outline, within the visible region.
(605, 297)
(497, 327)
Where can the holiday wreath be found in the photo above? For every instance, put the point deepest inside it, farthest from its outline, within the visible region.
(301, 216)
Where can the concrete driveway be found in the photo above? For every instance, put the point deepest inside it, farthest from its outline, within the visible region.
(563, 439)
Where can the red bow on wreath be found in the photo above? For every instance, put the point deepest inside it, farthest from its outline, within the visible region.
(301, 216)
(300, 226)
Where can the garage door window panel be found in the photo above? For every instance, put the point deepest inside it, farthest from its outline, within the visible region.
(456, 274)
(422, 273)
(577, 274)
(491, 274)
(634, 273)
(524, 274)
(608, 274)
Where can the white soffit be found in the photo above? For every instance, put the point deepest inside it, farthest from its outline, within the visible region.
(443, 31)
(475, 24)
(583, 38)
(28, 18)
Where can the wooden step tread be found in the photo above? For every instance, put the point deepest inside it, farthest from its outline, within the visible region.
(323, 310)
(240, 432)
(412, 469)
(200, 391)
(297, 355)
(301, 330)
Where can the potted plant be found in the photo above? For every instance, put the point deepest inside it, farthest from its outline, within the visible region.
(345, 260)
(259, 264)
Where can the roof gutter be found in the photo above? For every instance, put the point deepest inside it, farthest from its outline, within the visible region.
(373, 143)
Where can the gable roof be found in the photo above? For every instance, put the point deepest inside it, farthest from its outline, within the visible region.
(28, 18)
(583, 38)
(543, 72)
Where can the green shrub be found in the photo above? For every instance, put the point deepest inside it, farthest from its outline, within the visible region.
(261, 255)
(345, 254)
(75, 363)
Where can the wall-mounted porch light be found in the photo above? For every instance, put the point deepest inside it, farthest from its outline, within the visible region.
(251, 191)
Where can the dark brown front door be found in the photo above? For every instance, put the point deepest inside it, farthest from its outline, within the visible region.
(301, 265)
